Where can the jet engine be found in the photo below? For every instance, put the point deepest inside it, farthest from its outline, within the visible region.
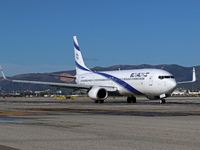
(153, 97)
(98, 93)
(158, 97)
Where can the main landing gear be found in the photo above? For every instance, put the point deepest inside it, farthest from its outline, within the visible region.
(131, 99)
(99, 101)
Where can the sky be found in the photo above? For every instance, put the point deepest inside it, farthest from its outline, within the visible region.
(37, 35)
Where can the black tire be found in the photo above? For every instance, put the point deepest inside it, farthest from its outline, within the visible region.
(133, 99)
(96, 101)
(129, 99)
(162, 101)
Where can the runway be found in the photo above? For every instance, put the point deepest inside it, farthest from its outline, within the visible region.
(47, 123)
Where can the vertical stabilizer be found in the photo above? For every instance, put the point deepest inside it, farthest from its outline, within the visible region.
(80, 65)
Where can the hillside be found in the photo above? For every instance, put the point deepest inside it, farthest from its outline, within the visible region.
(180, 73)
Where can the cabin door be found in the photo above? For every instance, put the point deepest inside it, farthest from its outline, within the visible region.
(151, 79)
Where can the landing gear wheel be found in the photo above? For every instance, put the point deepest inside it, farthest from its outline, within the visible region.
(98, 101)
(128, 99)
(131, 99)
(162, 101)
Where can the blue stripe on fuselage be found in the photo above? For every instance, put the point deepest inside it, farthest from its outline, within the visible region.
(115, 79)
(121, 82)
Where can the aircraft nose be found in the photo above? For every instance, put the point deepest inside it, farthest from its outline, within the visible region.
(172, 85)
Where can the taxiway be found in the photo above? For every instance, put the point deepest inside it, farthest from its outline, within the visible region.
(47, 123)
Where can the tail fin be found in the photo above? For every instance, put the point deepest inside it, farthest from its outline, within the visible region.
(80, 65)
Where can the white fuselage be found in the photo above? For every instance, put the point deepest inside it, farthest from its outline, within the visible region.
(150, 82)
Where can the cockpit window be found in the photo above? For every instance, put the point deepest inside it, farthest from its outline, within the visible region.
(165, 77)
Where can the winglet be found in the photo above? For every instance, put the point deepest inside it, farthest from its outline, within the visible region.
(194, 75)
(3, 73)
(193, 78)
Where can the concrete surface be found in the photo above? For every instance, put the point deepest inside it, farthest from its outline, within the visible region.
(49, 124)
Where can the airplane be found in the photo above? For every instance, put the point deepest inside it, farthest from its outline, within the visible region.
(155, 84)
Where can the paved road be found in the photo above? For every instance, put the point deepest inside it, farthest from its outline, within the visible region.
(49, 124)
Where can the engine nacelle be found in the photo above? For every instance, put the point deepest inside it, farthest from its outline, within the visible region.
(98, 93)
(158, 97)
(153, 97)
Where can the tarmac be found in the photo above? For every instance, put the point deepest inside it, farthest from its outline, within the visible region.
(51, 124)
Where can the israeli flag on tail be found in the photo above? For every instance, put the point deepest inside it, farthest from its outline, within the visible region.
(80, 65)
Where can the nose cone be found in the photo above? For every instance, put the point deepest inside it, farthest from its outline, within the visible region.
(171, 86)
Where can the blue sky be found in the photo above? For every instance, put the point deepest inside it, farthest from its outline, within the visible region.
(36, 35)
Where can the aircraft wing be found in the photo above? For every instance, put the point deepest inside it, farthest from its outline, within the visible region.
(57, 75)
(65, 85)
(193, 78)
(61, 85)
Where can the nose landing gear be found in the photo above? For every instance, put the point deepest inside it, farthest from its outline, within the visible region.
(162, 101)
